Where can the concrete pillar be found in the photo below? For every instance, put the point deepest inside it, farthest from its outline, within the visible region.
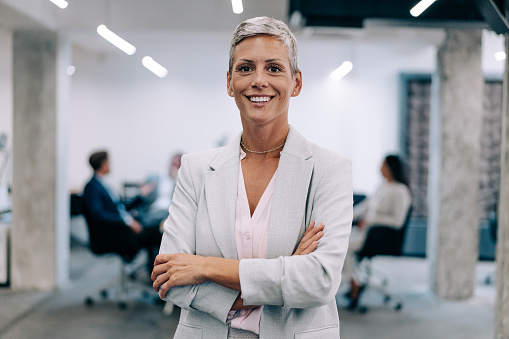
(455, 143)
(502, 251)
(5, 116)
(40, 230)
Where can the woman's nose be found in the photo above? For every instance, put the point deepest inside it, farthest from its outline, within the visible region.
(259, 79)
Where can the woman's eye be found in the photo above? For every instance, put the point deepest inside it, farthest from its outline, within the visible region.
(244, 69)
(274, 69)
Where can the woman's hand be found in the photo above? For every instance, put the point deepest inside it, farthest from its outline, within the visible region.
(310, 239)
(177, 269)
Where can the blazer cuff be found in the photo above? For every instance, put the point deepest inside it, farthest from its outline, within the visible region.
(214, 299)
(260, 281)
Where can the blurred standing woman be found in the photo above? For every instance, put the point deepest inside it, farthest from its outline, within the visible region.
(236, 255)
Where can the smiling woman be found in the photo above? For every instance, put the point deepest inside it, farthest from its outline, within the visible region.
(240, 252)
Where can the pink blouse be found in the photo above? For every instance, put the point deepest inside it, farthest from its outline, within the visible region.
(251, 237)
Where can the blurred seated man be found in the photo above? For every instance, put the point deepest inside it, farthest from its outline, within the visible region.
(112, 225)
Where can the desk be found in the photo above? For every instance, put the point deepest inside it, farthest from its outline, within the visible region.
(4, 253)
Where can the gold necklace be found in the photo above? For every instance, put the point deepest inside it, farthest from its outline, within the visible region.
(263, 152)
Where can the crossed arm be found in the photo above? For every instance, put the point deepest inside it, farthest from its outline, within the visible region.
(181, 269)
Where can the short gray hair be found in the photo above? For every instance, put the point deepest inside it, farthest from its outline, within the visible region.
(265, 26)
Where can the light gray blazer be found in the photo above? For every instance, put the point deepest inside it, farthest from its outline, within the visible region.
(312, 184)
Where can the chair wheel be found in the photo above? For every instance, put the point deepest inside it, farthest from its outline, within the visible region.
(398, 306)
(89, 301)
(104, 294)
(122, 305)
(387, 299)
(362, 309)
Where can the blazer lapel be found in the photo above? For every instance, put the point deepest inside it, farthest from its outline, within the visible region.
(221, 195)
(287, 218)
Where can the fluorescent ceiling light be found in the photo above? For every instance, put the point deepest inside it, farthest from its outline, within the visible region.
(340, 72)
(421, 7)
(116, 40)
(500, 56)
(60, 3)
(154, 67)
(237, 6)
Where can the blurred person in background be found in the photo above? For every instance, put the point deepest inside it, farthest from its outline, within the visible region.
(258, 229)
(113, 225)
(166, 184)
(388, 206)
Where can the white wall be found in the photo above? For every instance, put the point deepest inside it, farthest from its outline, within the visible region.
(118, 105)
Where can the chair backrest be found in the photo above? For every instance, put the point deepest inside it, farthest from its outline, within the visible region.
(493, 225)
(385, 240)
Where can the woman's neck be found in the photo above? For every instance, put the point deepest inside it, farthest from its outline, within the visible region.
(262, 138)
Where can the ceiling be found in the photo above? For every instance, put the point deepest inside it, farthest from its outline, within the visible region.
(81, 18)
(353, 13)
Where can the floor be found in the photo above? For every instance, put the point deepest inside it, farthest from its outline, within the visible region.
(63, 314)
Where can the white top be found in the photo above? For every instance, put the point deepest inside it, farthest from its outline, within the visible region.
(388, 206)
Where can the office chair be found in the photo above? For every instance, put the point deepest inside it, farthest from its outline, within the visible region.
(130, 273)
(381, 240)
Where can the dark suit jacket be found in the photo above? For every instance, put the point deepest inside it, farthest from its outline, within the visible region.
(108, 231)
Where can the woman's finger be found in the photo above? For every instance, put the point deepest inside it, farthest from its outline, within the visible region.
(311, 236)
(310, 248)
(315, 238)
(311, 231)
(307, 245)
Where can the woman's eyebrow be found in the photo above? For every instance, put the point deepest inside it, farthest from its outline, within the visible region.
(276, 59)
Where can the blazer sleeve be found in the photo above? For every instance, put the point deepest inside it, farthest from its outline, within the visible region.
(180, 237)
(312, 280)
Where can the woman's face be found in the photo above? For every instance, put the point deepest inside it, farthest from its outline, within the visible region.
(261, 80)
(386, 172)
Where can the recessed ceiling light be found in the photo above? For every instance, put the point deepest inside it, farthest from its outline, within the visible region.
(237, 6)
(421, 7)
(154, 67)
(500, 56)
(340, 72)
(116, 40)
(60, 3)
(70, 70)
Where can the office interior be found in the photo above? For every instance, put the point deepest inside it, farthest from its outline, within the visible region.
(66, 92)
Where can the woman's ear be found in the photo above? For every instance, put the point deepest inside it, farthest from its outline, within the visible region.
(229, 88)
(297, 84)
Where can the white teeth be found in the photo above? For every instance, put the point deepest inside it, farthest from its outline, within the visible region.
(259, 99)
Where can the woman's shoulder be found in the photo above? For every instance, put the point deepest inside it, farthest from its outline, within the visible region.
(202, 159)
(326, 156)
(321, 155)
